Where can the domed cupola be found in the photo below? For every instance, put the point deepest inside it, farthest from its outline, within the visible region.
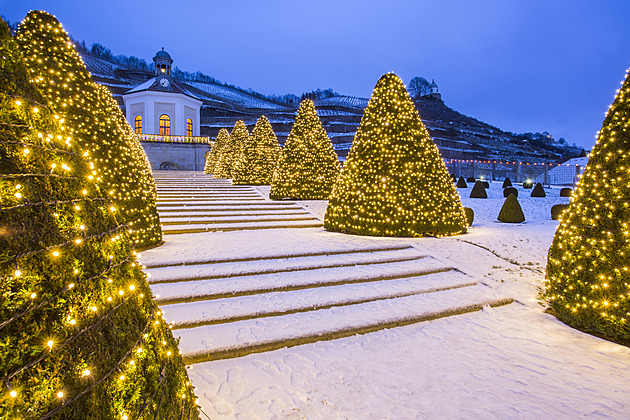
(162, 62)
(433, 87)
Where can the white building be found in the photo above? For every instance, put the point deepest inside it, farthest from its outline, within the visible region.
(161, 105)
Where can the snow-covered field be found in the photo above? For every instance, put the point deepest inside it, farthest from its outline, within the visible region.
(509, 361)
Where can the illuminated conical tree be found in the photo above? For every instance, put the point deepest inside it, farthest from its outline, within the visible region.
(589, 261)
(394, 182)
(259, 157)
(94, 121)
(212, 158)
(223, 166)
(238, 137)
(80, 336)
(308, 165)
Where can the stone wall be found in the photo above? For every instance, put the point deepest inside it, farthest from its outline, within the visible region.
(175, 156)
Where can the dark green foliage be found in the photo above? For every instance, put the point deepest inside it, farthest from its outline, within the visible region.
(478, 191)
(461, 183)
(485, 184)
(470, 215)
(238, 138)
(394, 182)
(308, 166)
(587, 283)
(454, 177)
(64, 259)
(212, 157)
(95, 121)
(507, 183)
(259, 157)
(538, 191)
(528, 184)
(566, 192)
(510, 190)
(470, 179)
(556, 211)
(511, 212)
(221, 163)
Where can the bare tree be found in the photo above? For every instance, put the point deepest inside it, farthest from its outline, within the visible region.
(418, 86)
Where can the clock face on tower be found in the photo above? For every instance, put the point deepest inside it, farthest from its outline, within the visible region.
(164, 82)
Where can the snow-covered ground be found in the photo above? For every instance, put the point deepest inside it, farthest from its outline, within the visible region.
(510, 361)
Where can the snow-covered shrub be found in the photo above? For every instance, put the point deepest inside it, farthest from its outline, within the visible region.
(260, 156)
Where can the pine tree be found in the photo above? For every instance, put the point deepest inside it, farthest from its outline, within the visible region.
(212, 158)
(223, 166)
(80, 336)
(308, 166)
(587, 270)
(93, 119)
(394, 182)
(260, 156)
(238, 137)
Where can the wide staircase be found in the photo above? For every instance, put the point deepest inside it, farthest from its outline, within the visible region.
(324, 289)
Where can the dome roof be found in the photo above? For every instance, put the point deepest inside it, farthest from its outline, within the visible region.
(163, 55)
(433, 84)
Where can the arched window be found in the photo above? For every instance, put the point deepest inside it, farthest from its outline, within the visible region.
(189, 128)
(165, 125)
(137, 124)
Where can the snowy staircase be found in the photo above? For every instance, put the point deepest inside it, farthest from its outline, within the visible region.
(192, 202)
(226, 308)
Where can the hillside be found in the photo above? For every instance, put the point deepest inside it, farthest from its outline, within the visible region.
(456, 135)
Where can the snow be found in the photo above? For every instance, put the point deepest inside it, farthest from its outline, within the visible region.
(242, 291)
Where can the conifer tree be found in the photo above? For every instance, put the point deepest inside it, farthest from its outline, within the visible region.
(91, 117)
(80, 336)
(223, 157)
(212, 157)
(589, 261)
(394, 182)
(238, 137)
(260, 156)
(308, 166)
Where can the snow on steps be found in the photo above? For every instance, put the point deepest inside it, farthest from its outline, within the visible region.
(239, 338)
(191, 204)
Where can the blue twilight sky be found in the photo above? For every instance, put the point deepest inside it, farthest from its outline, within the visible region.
(522, 65)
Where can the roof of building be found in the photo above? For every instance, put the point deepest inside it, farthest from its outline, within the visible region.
(162, 54)
(151, 85)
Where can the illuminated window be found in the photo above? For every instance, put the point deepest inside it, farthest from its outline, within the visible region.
(165, 125)
(137, 124)
(189, 128)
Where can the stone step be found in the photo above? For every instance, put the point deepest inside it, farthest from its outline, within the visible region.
(239, 338)
(171, 274)
(223, 209)
(238, 219)
(182, 229)
(218, 311)
(215, 214)
(225, 203)
(308, 278)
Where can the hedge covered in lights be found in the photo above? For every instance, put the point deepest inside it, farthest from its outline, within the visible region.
(394, 182)
(80, 336)
(589, 261)
(238, 137)
(94, 120)
(259, 157)
(308, 166)
(219, 159)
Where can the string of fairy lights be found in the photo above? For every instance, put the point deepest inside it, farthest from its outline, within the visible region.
(238, 138)
(394, 182)
(308, 165)
(587, 271)
(259, 157)
(96, 119)
(81, 279)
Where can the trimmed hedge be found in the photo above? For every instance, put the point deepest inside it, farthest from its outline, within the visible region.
(478, 191)
(507, 183)
(470, 215)
(75, 307)
(511, 212)
(538, 191)
(461, 183)
(557, 210)
(528, 184)
(566, 192)
(260, 156)
(510, 190)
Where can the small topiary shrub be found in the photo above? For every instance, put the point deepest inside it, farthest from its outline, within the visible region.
(470, 179)
(510, 190)
(566, 192)
(485, 184)
(461, 183)
(528, 184)
(538, 191)
(470, 215)
(557, 210)
(454, 177)
(478, 191)
(507, 183)
(511, 212)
